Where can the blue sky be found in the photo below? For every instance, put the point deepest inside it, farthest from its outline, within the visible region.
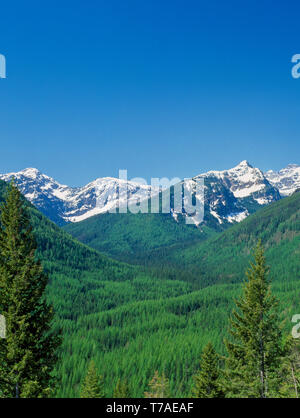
(160, 88)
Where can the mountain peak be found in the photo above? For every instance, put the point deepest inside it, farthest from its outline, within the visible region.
(244, 163)
(30, 171)
(286, 180)
(292, 166)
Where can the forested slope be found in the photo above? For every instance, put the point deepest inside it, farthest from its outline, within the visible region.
(188, 253)
(163, 324)
(134, 237)
(85, 284)
(133, 322)
(224, 258)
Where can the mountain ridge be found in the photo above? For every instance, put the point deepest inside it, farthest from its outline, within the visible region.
(230, 195)
(63, 204)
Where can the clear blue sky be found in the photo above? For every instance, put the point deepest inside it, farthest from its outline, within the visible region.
(161, 88)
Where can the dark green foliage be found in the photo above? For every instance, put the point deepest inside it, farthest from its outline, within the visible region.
(93, 385)
(158, 387)
(225, 257)
(186, 253)
(207, 382)
(99, 304)
(28, 353)
(139, 328)
(256, 347)
(133, 321)
(134, 237)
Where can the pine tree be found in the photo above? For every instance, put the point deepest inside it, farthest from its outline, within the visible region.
(121, 390)
(93, 385)
(256, 346)
(28, 353)
(159, 387)
(207, 383)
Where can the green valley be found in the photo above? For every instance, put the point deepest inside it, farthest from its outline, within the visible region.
(131, 319)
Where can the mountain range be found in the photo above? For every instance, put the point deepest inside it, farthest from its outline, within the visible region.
(63, 204)
(133, 319)
(229, 195)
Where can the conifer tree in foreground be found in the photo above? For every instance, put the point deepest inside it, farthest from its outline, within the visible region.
(93, 384)
(28, 353)
(207, 381)
(121, 390)
(256, 347)
(159, 387)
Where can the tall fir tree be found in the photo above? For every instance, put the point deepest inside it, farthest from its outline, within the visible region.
(29, 351)
(207, 383)
(121, 390)
(93, 385)
(256, 347)
(159, 387)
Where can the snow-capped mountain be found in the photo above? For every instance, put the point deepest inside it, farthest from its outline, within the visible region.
(244, 181)
(287, 180)
(229, 195)
(63, 204)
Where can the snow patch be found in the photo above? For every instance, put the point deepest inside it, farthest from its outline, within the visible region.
(237, 217)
